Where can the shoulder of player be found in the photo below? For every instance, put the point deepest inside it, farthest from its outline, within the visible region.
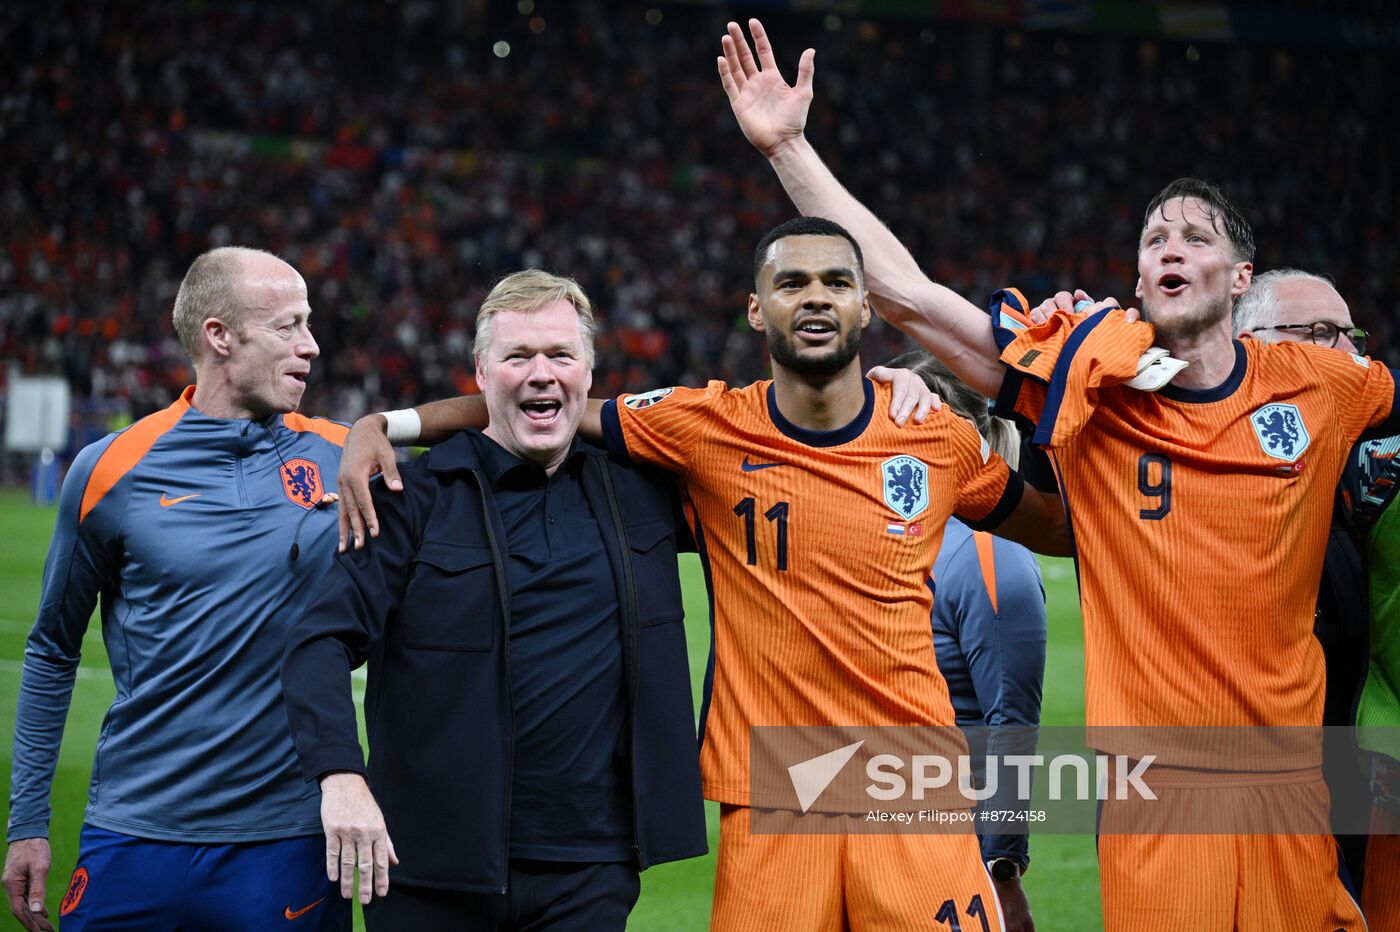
(940, 427)
(333, 432)
(101, 466)
(716, 399)
(1308, 368)
(1290, 358)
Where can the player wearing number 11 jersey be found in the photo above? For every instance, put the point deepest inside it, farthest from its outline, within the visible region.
(816, 546)
(818, 519)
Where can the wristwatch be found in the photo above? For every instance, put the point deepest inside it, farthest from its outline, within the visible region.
(1004, 870)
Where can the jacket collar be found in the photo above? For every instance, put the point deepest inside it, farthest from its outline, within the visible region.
(469, 450)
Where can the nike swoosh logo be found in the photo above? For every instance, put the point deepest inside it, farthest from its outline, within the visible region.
(303, 911)
(746, 466)
(167, 502)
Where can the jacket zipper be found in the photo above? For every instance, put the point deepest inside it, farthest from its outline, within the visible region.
(488, 513)
(631, 642)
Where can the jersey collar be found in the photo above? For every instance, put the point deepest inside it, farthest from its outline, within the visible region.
(1220, 392)
(823, 438)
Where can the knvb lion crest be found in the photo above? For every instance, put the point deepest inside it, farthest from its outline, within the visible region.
(301, 480)
(76, 888)
(906, 485)
(1281, 431)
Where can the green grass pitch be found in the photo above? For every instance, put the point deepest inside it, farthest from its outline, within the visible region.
(1062, 883)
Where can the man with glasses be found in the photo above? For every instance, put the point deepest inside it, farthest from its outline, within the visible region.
(1290, 305)
(1300, 307)
(1293, 305)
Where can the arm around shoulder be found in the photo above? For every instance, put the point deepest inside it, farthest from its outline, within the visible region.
(1039, 523)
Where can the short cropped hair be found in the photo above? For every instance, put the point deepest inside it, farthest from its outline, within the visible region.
(1225, 217)
(804, 226)
(1256, 307)
(211, 289)
(528, 291)
(1001, 434)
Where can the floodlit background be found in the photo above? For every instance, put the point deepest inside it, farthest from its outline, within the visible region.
(403, 155)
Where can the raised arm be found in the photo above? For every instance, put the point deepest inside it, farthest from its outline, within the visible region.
(773, 115)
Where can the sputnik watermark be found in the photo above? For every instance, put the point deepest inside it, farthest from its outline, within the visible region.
(1014, 780)
(933, 772)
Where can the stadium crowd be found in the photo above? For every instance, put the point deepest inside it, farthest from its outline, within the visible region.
(405, 155)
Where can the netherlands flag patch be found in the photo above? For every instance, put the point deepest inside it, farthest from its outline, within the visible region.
(893, 528)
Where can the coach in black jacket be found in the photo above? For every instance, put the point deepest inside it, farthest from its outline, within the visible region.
(531, 732)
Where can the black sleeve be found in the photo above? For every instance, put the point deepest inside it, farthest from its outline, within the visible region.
(1035, 467)
(359, 595)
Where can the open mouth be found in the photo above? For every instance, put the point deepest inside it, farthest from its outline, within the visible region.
(1172, 283)
(816, 328)
(543, 409)
(298, 377)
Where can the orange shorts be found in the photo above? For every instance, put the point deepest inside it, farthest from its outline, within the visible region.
(816, 883)
(1380, 898)
(1223, 883)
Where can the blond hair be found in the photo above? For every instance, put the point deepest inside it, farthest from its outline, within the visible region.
(211, 289)
(528, 291)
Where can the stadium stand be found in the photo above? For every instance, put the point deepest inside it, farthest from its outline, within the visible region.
(404, 155)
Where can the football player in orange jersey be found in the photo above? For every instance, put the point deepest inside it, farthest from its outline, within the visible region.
(1192, 616)
(818, 519)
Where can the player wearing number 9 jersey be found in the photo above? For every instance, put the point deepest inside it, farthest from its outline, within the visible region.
(1202, 514)
(1217, 504)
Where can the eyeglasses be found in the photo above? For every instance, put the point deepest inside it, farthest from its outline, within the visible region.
(1323, 333)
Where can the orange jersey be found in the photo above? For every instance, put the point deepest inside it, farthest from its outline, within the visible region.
(817, 548)
(1200, 519)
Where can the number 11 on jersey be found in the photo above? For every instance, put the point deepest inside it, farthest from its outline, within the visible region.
(778, 516)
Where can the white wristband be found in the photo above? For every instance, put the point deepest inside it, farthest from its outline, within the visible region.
(404, 426)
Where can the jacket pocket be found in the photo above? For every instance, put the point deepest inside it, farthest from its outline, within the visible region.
(653, 545)
(451, 602)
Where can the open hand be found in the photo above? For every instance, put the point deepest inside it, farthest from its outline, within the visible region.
(770, 111)
(367, 451)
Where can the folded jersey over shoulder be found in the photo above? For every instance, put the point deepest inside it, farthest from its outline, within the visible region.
(1063, 364)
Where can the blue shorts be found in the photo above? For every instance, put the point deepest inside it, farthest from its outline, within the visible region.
(124, 882)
